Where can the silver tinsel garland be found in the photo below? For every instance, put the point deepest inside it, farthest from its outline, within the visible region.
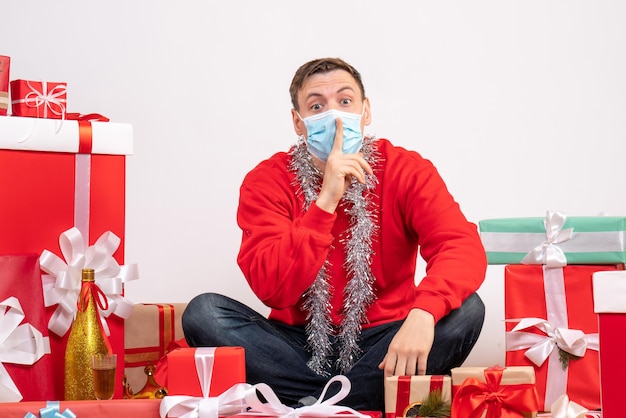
(359, 292)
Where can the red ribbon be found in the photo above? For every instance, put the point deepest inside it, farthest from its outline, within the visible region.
(98, 296)
(403, 394)
(500, 401)
(85, 135)
(100, 299)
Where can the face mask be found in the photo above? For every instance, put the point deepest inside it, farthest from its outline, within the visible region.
(321, 131)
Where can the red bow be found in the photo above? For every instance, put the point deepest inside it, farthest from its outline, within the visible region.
(500, 401)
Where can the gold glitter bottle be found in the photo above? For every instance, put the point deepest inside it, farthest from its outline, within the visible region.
(86, 338)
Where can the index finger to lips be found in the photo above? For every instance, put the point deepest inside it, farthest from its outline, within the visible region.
(338, 141)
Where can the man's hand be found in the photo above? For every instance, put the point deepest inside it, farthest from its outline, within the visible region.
(339, 171)
(408, 352)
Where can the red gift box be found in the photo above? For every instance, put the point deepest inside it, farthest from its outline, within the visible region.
(47, 193)
(494, 392)
(557, 304)
(20, 278)
(609, 293)
(5, 66)
(38, 99)
(403, 392)
(227, 367)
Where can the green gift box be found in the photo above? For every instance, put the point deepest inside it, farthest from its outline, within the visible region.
(555, 240)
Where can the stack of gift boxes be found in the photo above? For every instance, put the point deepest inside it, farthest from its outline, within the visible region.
(565, 287)
(551, 264)
(62, 194)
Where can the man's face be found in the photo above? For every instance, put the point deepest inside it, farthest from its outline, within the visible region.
(332, 90)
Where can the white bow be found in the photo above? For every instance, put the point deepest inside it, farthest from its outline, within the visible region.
(540, 347)
(62, 283)
(564, 408)
(19, 344)
(548, 253)
(321, 408)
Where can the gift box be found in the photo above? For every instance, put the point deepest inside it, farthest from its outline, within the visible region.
(556, 240)
(5, 66)
(609, 294)
(149, 334)
(38, 99)
(404, 394)
(226, 365)
(118, 408)
(552, 327)
(21, 365)
(56, 178)
(496, 391)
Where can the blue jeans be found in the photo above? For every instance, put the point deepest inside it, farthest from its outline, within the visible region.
(276, 353)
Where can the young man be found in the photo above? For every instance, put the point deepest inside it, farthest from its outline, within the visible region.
(331, 232)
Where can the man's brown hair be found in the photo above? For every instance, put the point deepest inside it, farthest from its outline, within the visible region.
(320, 66)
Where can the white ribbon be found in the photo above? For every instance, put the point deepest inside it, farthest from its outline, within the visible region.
(564, 408)
(539, 347)
(228, 403)
(548, 253)
(63, 282)
(321, 408)
(51, 100)
(19, 344)
(242, 396)
(556, 327)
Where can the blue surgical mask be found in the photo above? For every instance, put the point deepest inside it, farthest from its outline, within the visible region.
(321, 131)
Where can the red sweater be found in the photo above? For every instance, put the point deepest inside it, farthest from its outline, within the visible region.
(283, 247)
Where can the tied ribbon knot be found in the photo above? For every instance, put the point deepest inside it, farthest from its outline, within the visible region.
(98, 295)
(474, 397)
(548, 252)
(50, 100)
(52, 410)
(539, 347)
(19, 344)
(62, 283)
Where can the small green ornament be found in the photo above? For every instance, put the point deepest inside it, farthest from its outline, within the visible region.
(432, 405)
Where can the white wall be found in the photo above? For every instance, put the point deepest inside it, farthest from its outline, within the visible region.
(521, 105)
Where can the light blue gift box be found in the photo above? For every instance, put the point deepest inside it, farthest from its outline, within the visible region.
(570, 240)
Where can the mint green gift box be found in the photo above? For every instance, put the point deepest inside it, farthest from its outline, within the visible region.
(570, 240)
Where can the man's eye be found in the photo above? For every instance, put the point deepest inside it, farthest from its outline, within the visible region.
(316, 107)
(346, 101)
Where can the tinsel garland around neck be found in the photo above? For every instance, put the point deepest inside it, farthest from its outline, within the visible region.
(359, 292)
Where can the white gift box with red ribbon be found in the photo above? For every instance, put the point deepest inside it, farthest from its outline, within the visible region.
(50, 135)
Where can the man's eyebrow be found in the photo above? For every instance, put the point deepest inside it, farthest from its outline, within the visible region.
(313, 94)
(340, 90)
(345, 88)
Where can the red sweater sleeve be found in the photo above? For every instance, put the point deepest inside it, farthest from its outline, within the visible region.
(450, 245)
(282, 246)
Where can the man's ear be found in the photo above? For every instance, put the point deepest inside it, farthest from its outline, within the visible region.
(367, 114)
(298, 124)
